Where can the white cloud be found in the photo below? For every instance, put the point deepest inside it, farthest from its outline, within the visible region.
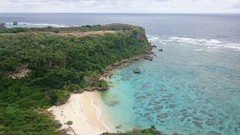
(130, 6)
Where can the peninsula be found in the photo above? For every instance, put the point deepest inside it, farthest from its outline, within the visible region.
(43, 67)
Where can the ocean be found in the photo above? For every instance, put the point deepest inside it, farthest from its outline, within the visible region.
(191, 87)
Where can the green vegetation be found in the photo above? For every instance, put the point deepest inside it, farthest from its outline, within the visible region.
(69, 122)
(47, 66)
(174, 133)
(118, 126)
(141, 132)
(149, 131)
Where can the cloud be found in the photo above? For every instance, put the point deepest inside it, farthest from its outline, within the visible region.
(100, 6)
(237, 6)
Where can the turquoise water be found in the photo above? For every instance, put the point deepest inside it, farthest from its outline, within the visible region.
(192, 87)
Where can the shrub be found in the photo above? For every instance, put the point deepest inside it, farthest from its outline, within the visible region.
(69, 122)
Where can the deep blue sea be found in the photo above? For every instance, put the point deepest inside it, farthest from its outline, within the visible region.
(191, 87)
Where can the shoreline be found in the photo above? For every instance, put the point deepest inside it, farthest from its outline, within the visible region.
(85, 114)
(110, 68)
(107, 73)
(82, 108)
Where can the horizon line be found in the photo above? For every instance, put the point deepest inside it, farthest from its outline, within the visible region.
(109, 13)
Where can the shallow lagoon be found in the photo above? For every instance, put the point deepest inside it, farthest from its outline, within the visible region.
(192, 87)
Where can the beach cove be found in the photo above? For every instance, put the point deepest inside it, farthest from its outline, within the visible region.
(84, 112)
(171, 101)
(191, 86)
(47, 73)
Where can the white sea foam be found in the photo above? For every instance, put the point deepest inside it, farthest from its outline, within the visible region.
(233, 46)
(195, 40)
(153, 38)
(22, 24)
(198, 50)
(209, 43)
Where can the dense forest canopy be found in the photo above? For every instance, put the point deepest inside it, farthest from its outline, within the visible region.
(39, 67)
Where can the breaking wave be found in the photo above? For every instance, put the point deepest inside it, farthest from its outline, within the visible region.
(26, 24)
(209, 43)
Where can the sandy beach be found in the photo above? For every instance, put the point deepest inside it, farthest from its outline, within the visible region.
(81, 109)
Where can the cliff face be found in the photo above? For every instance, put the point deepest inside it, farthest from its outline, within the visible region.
(56, 64)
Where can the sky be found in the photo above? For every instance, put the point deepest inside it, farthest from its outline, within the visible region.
(120, 6)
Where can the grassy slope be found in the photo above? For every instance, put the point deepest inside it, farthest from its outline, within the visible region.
(58, 63)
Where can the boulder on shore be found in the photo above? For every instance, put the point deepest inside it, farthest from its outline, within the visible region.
(136, 70)
(154, 46)
(148, 58)
(160, 50)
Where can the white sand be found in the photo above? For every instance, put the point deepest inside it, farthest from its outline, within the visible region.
(81, 109)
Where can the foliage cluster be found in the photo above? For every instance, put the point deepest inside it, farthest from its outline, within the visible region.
(134, 132)
(114, 26)
(58, 65)
(149, 131)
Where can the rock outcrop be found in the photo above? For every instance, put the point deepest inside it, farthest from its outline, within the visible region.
(95, 88)
(148, 58)
(154, 46)
(15, 23)
(20, 71)
(90, 80)
(136, 70)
